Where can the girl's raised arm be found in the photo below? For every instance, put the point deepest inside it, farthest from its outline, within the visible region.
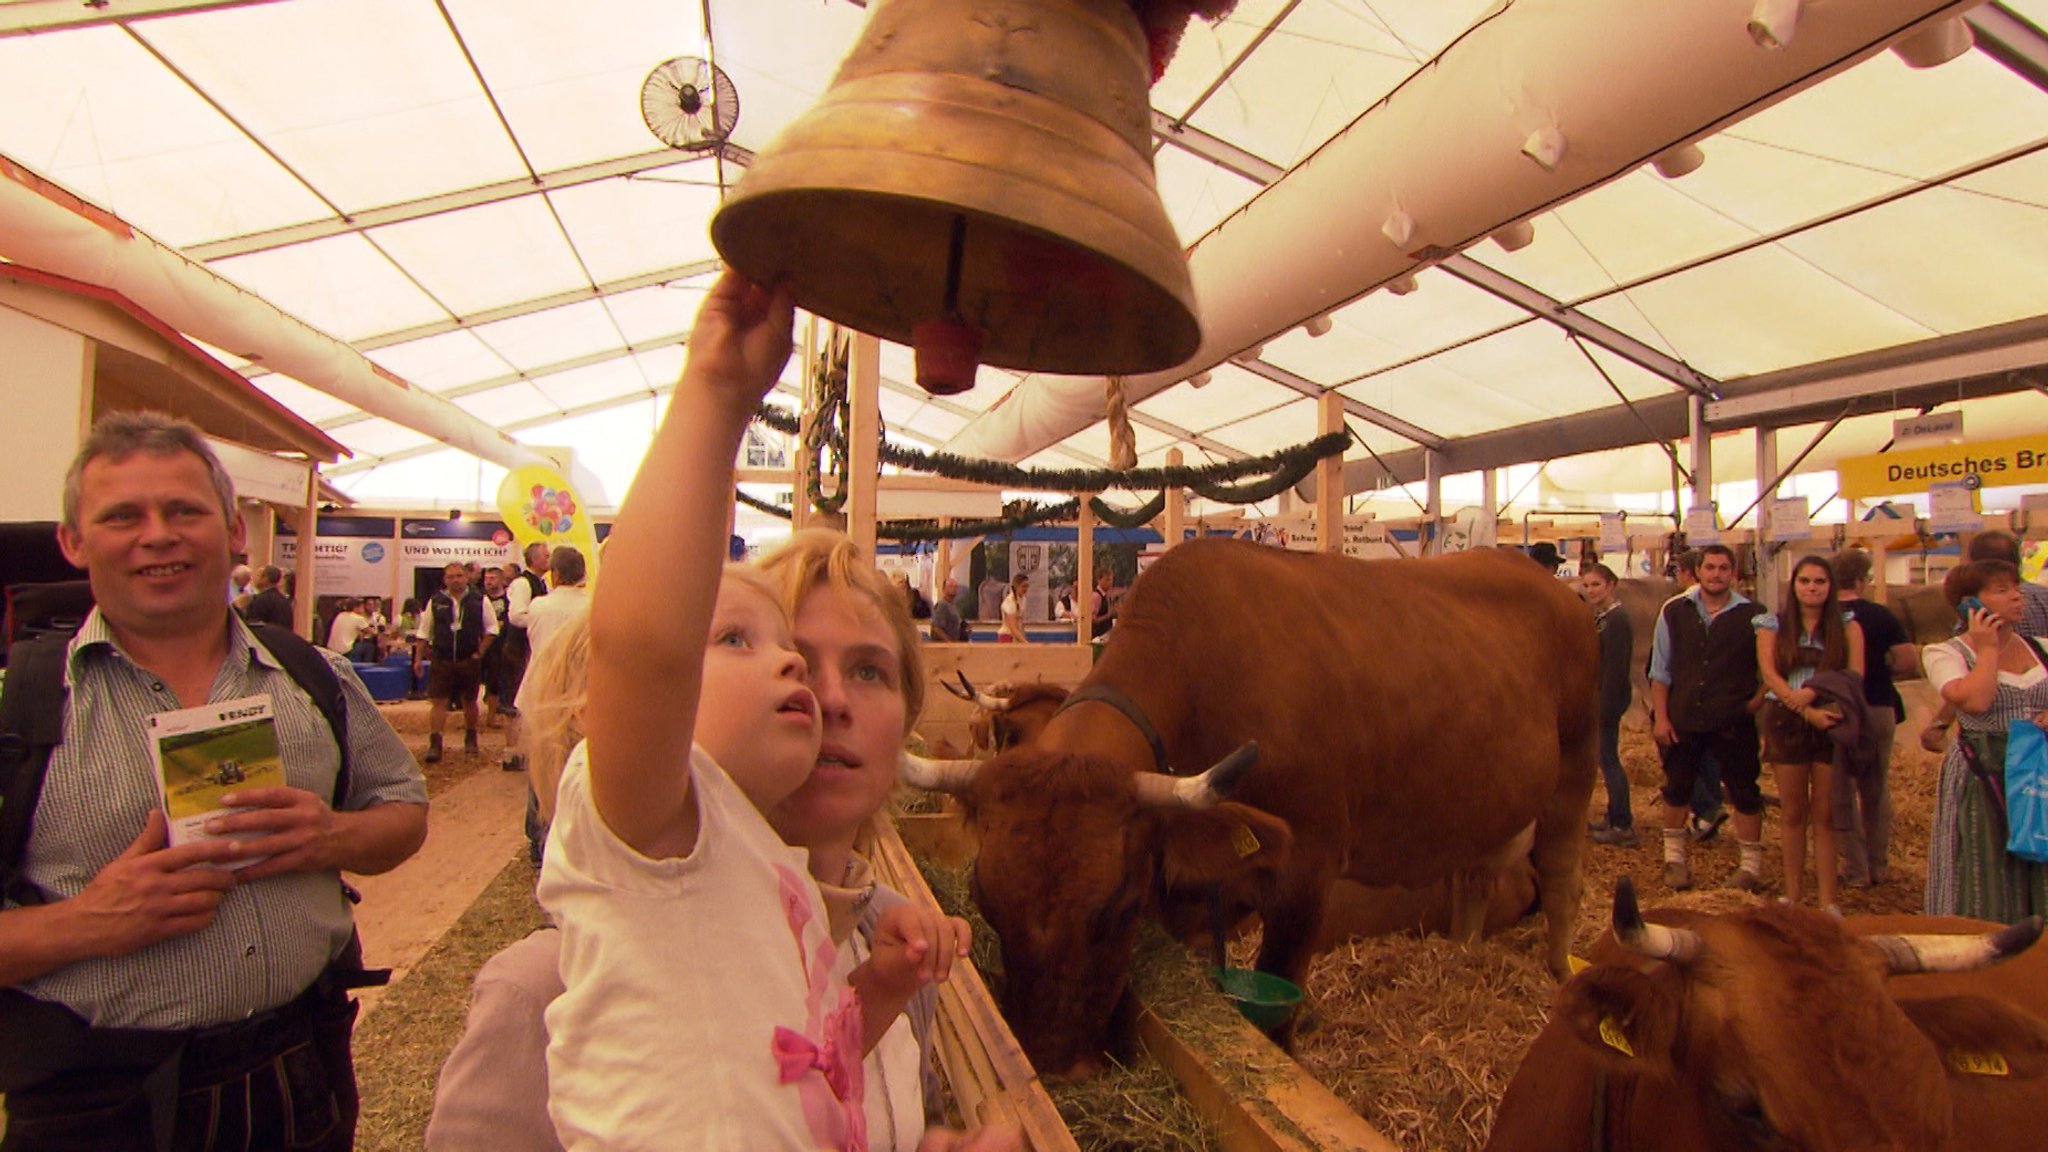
(651, 614)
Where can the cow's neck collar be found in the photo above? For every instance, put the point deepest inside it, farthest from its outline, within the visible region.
(1104, 694)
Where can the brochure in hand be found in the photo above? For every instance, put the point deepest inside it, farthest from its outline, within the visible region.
(207, 752)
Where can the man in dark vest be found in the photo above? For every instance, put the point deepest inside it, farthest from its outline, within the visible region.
(520, 593)
(269, 605)
(457, 627)
(1703, 674)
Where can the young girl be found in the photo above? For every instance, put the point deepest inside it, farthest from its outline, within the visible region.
(701, 1009)
(1821, 637)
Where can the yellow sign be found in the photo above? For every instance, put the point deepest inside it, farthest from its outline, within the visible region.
(1993, 462)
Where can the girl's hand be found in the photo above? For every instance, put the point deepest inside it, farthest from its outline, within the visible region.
(1985, 633)
(1820, 718)
(913, 947)
(741, 339)
(1801, 698)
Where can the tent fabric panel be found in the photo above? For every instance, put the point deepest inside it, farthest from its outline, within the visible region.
(624, 227)
(341, 285)
(378, 437)
(370, 100)
(309, 404)
(1950, 259)
(1761, 311)
(519, 401)
(438, 363)
(597, 382)
(656, 313)
(1198, 195)
(552, 336)
(1206, 49)
(485, 257)
(1380, 330)
(93, 111)
(453, 477)
(569, 80)
(1231, 394)
(781, 56)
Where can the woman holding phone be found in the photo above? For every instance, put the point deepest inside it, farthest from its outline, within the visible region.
(1992, 676)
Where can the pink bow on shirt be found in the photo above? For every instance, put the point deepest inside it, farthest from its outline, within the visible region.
(796, 1056)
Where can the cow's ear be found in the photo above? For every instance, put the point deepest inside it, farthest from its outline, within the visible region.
(1208, 846)
(1627, 1020)
(1978, 1036)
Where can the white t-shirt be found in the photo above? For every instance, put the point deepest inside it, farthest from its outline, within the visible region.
(894, 1073)
(348, 628)
(548, 613)
(695, 985)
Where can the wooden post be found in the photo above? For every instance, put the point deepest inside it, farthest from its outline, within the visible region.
(302, 584)
(942, 562)
(1330, 477)
(1176, 516)
(1769, 588)
(801, 462)
(1084, 572)
(864, 388)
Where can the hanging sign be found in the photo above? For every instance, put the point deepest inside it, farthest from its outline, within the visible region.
(1790, 519)
(1995, 463)
(1952, 507)
(1613, 532)
(1927, 431)
(1700, 527)
(351, 554)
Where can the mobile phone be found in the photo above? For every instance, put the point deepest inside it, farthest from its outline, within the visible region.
(1969, 605)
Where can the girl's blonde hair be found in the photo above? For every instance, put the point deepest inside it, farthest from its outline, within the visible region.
(813, 558)
(822, 558)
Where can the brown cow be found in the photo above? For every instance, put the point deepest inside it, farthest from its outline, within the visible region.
(1415, 719)
(1928, 616)
(1779, 1027)
(1011, 716)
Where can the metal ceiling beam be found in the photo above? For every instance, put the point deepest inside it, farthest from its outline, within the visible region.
(2013, 347)
(1219, 152)
(1358, 408)
(446, 202)
(1777, 400)
(530, 375)
(2013, 41)
(24, 17)
(524, 308)
(1536, 303)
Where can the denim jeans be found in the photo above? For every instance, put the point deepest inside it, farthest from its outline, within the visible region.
(1614, 776)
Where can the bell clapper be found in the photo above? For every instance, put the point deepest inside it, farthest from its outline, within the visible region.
(948, 349)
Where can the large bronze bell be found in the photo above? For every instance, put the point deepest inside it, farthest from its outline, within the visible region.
(979, 172)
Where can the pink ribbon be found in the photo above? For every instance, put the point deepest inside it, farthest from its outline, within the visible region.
(797, 1056)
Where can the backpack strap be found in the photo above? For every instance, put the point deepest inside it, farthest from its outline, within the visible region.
(317, 679)
(31, 727)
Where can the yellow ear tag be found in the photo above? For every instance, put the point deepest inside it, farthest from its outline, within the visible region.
(1243, 839)
(1978, 1063)
(1614, 1037)
(1577, 964)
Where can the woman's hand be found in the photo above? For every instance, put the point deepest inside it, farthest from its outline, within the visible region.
(1934, 738)
(1801, 698)
(1820, 718)
(1986, 631)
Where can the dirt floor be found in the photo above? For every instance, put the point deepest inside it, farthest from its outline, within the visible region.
(410, 718)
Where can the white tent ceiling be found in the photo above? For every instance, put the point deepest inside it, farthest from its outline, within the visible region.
(464, 191)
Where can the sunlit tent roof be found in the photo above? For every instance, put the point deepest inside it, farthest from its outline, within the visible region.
(465, 193)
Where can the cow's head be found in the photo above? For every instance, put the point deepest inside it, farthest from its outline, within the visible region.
(1773, 1029)
(1074, 850)
(1008, 716)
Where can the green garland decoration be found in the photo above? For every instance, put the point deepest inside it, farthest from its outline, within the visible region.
(759, 505)
(1296, 461)
(835, 414)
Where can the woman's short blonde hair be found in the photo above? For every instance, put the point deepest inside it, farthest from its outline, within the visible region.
(555, 688)
(822, 558)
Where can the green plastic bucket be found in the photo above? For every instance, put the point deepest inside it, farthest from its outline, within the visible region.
(1265, 999)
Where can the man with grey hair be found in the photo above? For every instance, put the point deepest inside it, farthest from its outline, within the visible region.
(1997, 545)
(153, 995)
(269, 605)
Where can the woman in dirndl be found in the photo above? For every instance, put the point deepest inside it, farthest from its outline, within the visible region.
(1993, 676)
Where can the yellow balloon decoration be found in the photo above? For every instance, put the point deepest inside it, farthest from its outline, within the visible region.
(540, 507)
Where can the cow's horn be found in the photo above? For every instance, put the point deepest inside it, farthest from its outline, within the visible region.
(1211, 787)
(975, 695)
(1678, 945)
(965, 693)
(1956, 953)
(937, 775)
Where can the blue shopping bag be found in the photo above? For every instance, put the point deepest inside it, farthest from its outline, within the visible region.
(2026, 791)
